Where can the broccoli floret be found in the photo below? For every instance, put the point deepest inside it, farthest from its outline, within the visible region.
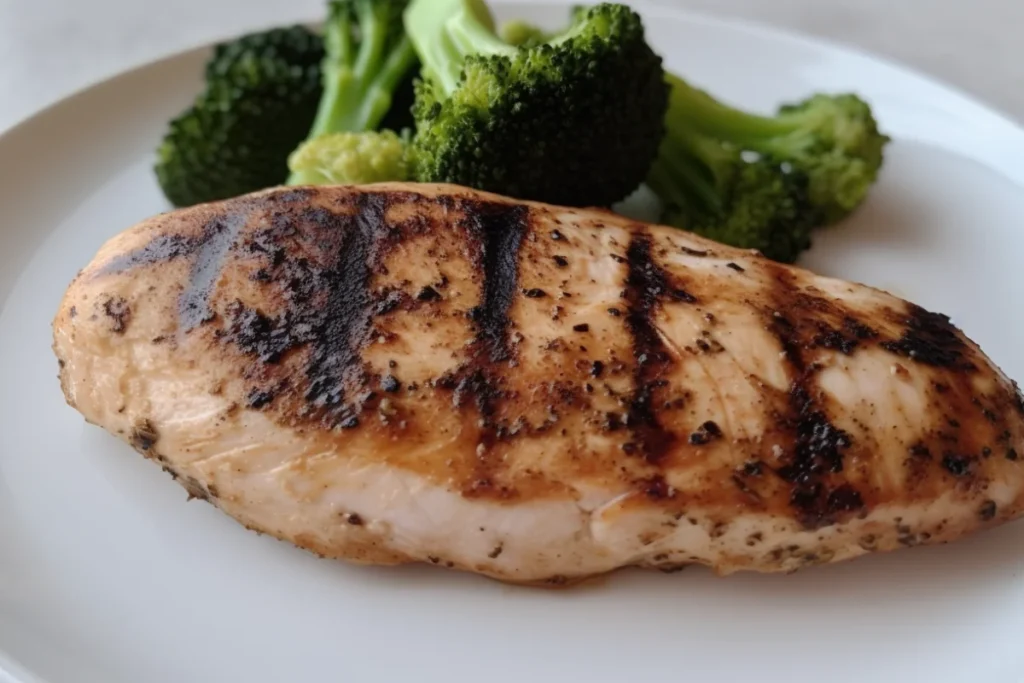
(368, 57)
(576, 120)
(834, 140)
(260, 98)
(294, 45)
(351, 158)
(750, 203)
(522, 34)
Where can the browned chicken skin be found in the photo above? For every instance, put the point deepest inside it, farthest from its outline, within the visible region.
(401, 372)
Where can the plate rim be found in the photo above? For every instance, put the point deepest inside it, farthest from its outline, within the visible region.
(11, 671)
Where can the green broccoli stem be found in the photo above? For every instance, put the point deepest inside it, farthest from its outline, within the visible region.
(358, 85)
(682, 179)
(369, 85)
(698, 109)
(373, 36)
(679, 183)
(691, 170)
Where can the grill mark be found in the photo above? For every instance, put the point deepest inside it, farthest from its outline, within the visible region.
(321, 263)
(818, 447)
(160, 249)
(219, 237)
(346, 322)
(165, 248)
(497, 233)
(846, 339)
(930, 339)
(209, 249)
(646, 285)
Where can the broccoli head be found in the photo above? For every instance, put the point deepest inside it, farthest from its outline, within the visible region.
(743, 200)
(351, 158)
(575, 120)
(295, 45)
(522, 34)
(261, 96)
(834, 140)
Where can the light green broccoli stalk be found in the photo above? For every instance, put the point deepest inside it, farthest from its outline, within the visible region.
(368, 58)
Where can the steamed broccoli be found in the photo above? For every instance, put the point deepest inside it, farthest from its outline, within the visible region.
(576, 120)
(522, 34)
(295, 45)
(764, 183)
(835, 140)
(752, 203)
(368, 58)
(260, 98)
(351, 158)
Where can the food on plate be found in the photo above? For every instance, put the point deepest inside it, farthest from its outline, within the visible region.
(433, 91)
(765, 182)
(427, 373)
(522, 34)
(368, 58)
(351, 158)
(260, 97)
(576, 120)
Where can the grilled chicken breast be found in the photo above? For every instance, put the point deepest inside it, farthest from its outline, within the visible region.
(400, 373)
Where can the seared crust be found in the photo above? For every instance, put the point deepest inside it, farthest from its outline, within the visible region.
(661, 398)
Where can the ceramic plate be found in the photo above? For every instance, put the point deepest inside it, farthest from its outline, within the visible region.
(108, 575)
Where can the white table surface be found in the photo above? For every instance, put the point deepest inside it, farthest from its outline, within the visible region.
(50, 48)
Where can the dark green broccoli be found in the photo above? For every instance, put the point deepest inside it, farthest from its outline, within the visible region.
(368, 58)
(835, 140)
(712, 190)
(289, 45)
(764, 183)
(576, 120)
(260, 98)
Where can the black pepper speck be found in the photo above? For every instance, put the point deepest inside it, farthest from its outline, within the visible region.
(428, 293)
(957, 465)
(705, 433)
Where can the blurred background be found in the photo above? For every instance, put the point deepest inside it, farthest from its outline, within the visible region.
(49, 48)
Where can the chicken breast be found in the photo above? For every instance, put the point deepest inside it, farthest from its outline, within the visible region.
(399, 373)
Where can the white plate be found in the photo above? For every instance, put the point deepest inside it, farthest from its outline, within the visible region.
(108, 575)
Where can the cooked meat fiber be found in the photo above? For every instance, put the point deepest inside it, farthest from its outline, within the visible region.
(398, 373)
